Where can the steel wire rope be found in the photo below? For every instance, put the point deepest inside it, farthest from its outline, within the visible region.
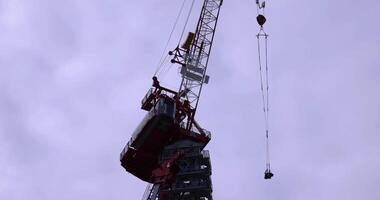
(264, 94)
(187, 21)
(169, 66)
(162, 59)
(267, 90)
(164, 64)
(179, 41)
(264, 86)
(165, 71)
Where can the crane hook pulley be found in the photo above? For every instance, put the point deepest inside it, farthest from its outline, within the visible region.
(264, 78)
(260, 13)
(261, 19)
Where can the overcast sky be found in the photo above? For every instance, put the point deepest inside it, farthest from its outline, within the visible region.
(72, 74)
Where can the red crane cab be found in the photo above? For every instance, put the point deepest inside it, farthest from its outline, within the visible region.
(162, 125)
(140, 155)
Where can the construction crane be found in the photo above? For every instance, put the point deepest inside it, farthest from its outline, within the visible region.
(167, 148)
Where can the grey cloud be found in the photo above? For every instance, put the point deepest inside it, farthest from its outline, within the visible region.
(72, 74)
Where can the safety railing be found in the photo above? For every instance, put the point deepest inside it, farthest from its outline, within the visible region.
(150, 92)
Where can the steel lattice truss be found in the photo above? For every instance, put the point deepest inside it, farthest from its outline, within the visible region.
(194, 61)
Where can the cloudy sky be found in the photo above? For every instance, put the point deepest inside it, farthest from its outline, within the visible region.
(72, 74)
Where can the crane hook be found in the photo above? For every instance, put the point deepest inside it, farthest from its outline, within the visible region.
(261, 19)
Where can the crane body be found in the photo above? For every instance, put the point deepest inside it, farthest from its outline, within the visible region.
(167, 148)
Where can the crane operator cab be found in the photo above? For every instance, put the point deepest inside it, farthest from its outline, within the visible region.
(139, 156)
(164, 106)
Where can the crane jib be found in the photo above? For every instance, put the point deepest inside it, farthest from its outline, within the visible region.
(195, 60)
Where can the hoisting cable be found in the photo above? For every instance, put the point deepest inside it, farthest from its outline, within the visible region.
(182, 33)
(262, 35)
(165, 71)
(187, 21)
(162, 59)
(162, 67)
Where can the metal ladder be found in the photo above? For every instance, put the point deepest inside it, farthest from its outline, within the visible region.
(151, 192)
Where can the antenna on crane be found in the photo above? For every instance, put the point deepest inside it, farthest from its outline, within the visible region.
(264, 78)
